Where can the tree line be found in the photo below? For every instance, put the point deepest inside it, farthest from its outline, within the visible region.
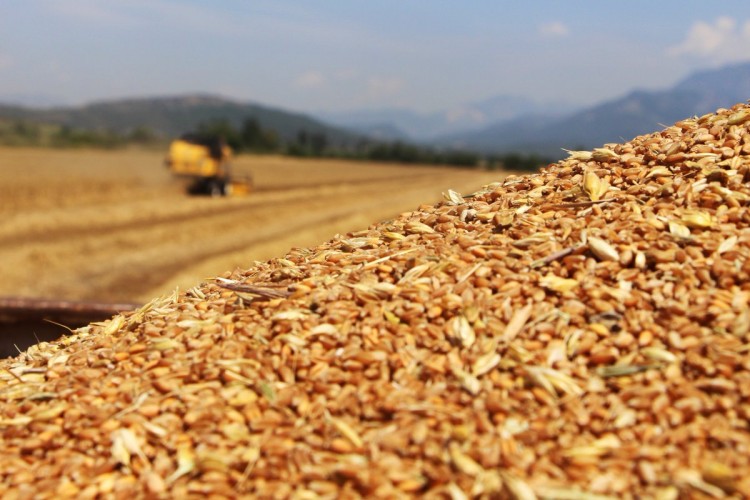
(251, 137)
(32, 134)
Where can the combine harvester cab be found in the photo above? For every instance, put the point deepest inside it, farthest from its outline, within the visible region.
(205, 163)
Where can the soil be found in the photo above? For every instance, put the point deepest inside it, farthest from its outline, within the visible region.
(115, 226)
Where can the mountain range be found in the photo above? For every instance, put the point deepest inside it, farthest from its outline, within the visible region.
(502, 124)
(520, 124)
(175, 115)
(406, 124)
(617, 120)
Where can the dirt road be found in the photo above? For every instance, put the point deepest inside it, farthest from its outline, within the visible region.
(113, 226)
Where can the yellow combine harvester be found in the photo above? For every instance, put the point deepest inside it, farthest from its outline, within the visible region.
(205, 162)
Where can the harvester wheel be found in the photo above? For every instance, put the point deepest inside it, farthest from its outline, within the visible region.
(217, 188)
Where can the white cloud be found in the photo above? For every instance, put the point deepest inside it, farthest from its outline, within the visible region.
(346, 74)
(721, 41)
(310, 79)
(553, 29)
(384, 86)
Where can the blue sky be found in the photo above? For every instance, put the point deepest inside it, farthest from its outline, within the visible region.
(352, 54)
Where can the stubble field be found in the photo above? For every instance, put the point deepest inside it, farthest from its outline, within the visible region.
(115, 226)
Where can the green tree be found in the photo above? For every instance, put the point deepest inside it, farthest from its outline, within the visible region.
(255, 138)
(142, 135)
(67, 136)
(318, 143)
(26, 131)
(302, 146)
(223, 129)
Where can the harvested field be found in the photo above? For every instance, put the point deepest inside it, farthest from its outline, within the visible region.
(581, 333)
(97, 225)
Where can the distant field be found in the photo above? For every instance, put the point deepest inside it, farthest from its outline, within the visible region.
(113, 225)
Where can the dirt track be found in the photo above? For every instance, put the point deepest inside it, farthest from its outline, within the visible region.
(97, 225)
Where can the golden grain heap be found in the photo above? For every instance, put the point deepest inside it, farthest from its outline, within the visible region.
(583, 332)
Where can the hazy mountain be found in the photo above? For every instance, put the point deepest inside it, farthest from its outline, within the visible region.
(426, 126)
(30, 100)
(381, 132)
(172, 116)
(500, 124)
(409, 124)
(718, 85)
(618, 120)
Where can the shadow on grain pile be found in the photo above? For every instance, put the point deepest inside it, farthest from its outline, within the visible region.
(582, 333)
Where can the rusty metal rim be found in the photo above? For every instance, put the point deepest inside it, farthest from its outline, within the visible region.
(19, 308)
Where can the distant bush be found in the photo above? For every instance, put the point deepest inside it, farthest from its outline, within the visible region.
(255, 138)
(223, 129)
(251, 137)
(20, 133)
(74, 137)
(313, 144)
(142, 136)
(403, 152)
(517, 161)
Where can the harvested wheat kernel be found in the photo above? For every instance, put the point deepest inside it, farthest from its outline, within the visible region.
(583, 332)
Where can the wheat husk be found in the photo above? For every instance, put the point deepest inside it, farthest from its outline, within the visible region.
(478, 347)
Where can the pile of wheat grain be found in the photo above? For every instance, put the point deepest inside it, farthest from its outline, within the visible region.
(579, 333)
